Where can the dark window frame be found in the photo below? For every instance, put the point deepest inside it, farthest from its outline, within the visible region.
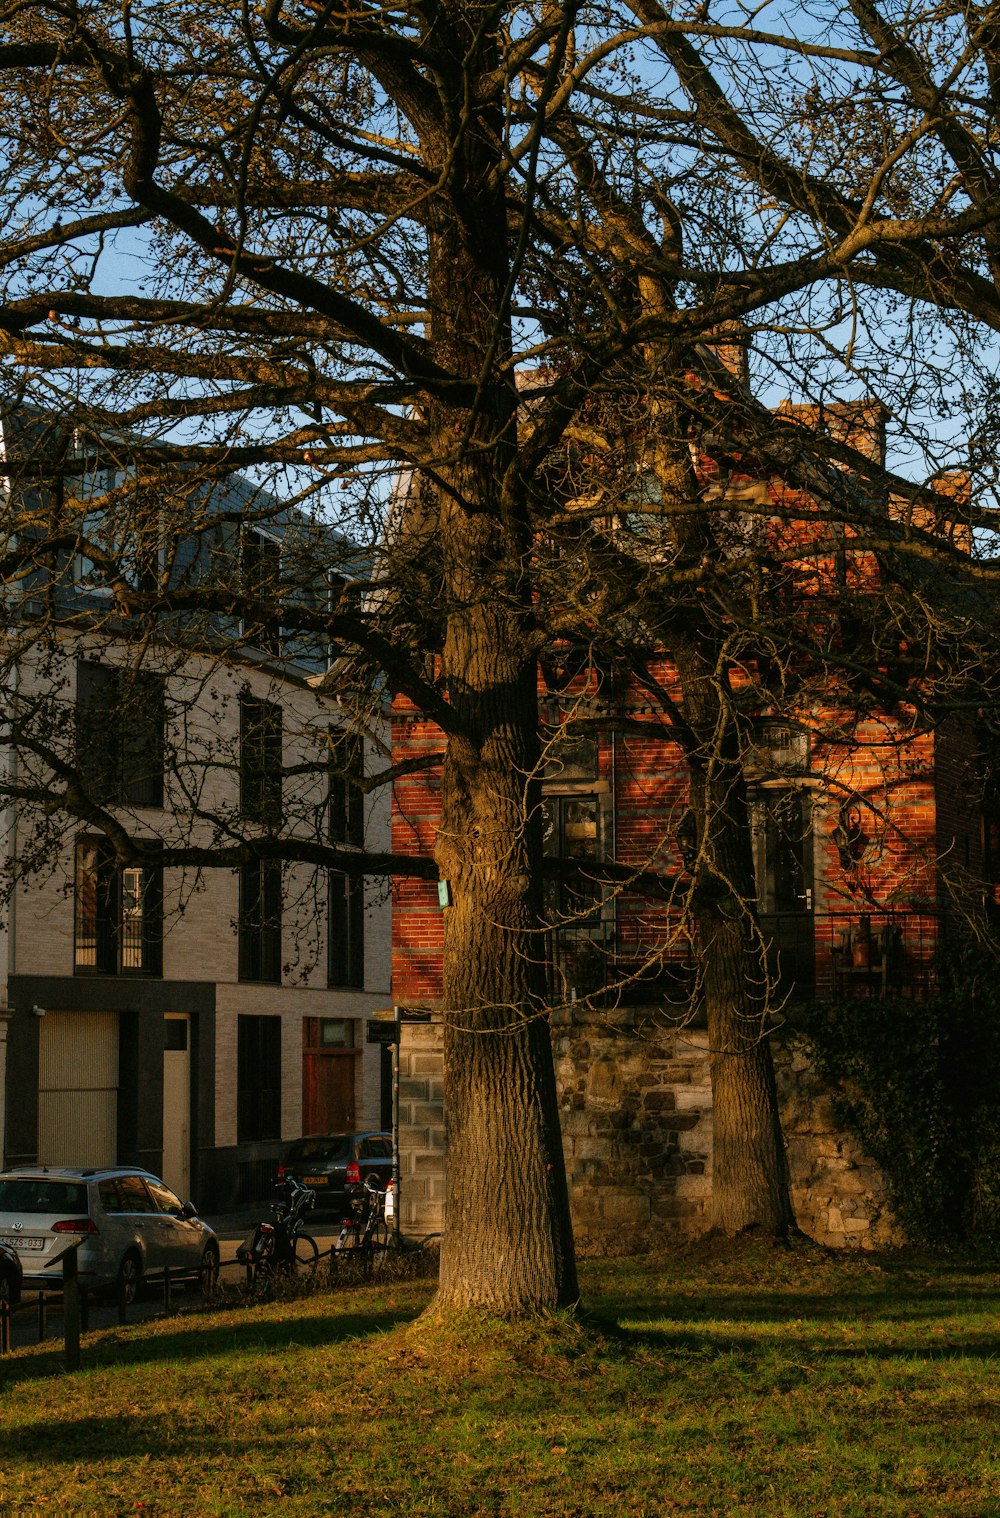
(102, 942)
(571, 905)
(345, 798)
(258, 1078)
(259, 927)
(345, 941)
(345, 965)
(121, 733)
(261, 760)
(260, 579)
(784, 854)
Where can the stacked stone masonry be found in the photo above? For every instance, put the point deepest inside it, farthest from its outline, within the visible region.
(421, 1130)
(636, 1112)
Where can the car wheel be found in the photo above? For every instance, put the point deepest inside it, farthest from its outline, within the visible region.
(129, 1278)
(208, 1271)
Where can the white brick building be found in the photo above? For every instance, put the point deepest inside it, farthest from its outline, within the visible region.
(189, 1019)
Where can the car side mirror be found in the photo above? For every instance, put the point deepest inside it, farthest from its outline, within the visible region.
(189, 1210)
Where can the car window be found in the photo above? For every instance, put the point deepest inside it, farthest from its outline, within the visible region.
(331, 1147)
(134, 1196)
(381, 1148)
(108, 1193)
(165, 1199)
(40, 1196)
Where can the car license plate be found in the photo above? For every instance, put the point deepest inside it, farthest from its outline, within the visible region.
(316, 1180)
(27, 1241)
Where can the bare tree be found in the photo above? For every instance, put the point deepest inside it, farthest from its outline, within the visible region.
(316, 243)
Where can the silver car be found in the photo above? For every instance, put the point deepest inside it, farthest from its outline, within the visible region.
(131, 1225)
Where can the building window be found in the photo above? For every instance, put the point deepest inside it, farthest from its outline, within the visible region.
(346, 893)
(258, 1078)
(330, 1032)
(346, 930)
(567, 754)
(260, 922)
(120, 719)
(783, 853)
(118, 918)
(778, 748)
(260, 761)
(260, 581)
(346, 798)
(571, 830)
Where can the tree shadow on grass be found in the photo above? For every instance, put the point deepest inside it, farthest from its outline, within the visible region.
(133, 1437)
(712, 1345)
(887, 1305)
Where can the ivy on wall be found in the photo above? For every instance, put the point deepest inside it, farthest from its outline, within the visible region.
(918, 1082)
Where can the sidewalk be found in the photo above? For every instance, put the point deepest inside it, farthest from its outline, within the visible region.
(232, 1228)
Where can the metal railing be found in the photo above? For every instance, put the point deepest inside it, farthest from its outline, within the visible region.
(808, 954)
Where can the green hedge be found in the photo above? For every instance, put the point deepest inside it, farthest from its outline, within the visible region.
(919, 1083)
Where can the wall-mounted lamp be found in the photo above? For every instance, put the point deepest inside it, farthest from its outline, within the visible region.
(686, 837)
(38, 1011)
(850, 837)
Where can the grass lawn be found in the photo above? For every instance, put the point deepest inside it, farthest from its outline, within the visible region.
(757, 1381)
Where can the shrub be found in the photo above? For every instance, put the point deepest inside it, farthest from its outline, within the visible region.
(919, 1083)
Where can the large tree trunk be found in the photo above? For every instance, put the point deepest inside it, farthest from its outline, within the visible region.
(508, 1242)
(749, 1168)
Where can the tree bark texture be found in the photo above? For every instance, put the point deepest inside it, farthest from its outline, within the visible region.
(508, 1241)
(749, 1166)
(750, 1186)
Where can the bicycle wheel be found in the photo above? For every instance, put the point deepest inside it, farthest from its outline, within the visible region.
(260, 1262)
(344, 1253)
(381, 1250)
(306, 1255)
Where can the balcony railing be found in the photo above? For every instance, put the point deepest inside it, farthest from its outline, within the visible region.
(831, 954)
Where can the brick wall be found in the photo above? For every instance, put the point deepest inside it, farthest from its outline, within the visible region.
(416, 917)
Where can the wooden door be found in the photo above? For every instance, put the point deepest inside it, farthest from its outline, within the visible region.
(329, 1072)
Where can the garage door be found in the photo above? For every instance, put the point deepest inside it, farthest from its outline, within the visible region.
(78, 1088)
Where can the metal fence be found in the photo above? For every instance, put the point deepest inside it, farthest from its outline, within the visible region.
(807, 954)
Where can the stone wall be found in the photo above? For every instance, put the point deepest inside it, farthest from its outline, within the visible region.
(636, 1113)
(421, 1129)
(635, 1107)
(839, 1194)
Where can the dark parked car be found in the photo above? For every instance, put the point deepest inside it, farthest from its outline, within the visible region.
(10, 1276)
(332, 1162)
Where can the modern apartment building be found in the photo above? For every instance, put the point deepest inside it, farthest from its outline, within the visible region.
(191, 1017)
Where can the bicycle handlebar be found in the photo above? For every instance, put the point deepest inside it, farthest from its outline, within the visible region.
(301, 1198)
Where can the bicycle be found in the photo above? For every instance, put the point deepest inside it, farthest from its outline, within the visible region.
(364, 1241)
(282, 1247)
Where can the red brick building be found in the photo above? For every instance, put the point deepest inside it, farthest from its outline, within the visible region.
(867, 839)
